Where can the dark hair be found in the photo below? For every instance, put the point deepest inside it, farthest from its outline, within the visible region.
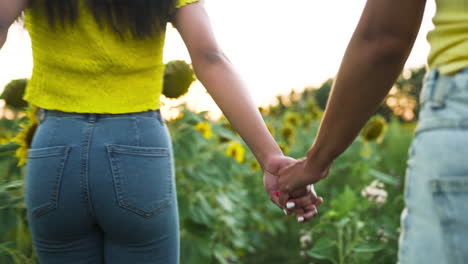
(142, 18)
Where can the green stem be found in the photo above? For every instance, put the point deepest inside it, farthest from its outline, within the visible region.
(340, 246)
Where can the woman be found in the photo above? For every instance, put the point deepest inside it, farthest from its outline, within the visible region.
(435, 221)
(100, 186)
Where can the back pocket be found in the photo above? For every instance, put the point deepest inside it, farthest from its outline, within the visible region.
(45, 168)
(451, 201)
(142, 178)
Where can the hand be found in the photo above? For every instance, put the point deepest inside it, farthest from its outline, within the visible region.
(298, 176)
(305, 196)
(304, 203)
(270, 176)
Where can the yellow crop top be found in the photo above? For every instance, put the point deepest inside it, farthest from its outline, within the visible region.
(89, 69)
(449, 39)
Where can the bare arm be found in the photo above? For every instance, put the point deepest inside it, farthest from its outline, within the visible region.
(373, 60)
(223, 83)
(10, 10)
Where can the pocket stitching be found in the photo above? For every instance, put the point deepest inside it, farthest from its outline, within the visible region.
(449, 185)
(144, 151)
(116, 175)
(439, 188)
(55, 194)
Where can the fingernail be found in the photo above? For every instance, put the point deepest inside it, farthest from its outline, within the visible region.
(285, 211)
(277, 194)
(290, 205)
(300, 219)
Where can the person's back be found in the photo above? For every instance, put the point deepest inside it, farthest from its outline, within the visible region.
(87, 67)
(100, 184)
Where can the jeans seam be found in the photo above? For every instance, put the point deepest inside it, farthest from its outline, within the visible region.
(137, 131)
(84, 179)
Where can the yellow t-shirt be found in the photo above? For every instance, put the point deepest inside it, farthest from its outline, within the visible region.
(88, 69)
(449, 39)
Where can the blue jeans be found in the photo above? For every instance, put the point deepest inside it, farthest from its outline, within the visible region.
(100, 188)
(435, 220)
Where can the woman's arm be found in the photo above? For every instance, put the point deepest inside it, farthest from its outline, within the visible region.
(222, 82)
(10, 10)
(373, 60)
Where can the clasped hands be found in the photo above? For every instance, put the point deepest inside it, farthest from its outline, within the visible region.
(289, 183)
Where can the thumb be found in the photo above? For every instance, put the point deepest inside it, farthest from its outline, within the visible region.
(279, 164)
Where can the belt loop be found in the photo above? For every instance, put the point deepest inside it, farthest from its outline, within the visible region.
(441, 89)
(159, 116)
(92, 118)
(41, 114)
(428, 87)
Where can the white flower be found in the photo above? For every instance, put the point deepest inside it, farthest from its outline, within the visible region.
(375, 193)
(305, 239)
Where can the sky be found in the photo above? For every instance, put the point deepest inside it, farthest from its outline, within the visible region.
(275, 46)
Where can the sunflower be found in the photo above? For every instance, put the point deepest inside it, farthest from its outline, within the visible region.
(180, 115)
(254, 165)
(5, 135)
(374, 130)
(292, 118)
(25, 136)
(4, 141)
(313, 110)
(205, 129)
(178, 77)
(288, 133)
(236, 151)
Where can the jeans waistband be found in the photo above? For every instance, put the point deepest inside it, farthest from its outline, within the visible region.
(443, 101)
(44, 113)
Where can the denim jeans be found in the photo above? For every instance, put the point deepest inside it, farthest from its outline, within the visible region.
(435, 220)
(100, 188)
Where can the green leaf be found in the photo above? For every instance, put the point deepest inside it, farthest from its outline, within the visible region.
(367, 248)
(323, 249)
(346, 202)
(9, 147)
(225, 203)
(385, 178)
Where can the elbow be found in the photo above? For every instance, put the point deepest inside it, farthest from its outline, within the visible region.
(210, 57)
(209, 60)
(214, 56)
(388, 47)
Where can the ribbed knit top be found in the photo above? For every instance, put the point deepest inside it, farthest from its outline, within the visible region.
(449, 39)
(86, 68)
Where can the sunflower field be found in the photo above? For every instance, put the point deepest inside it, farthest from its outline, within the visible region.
(225, 214)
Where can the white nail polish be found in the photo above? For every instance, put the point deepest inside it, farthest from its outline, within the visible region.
(290, 205)
(285, 211)
(300, 219)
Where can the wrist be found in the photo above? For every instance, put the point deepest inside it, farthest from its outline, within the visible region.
(321, 158)
(269, 162)
(268, 156)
